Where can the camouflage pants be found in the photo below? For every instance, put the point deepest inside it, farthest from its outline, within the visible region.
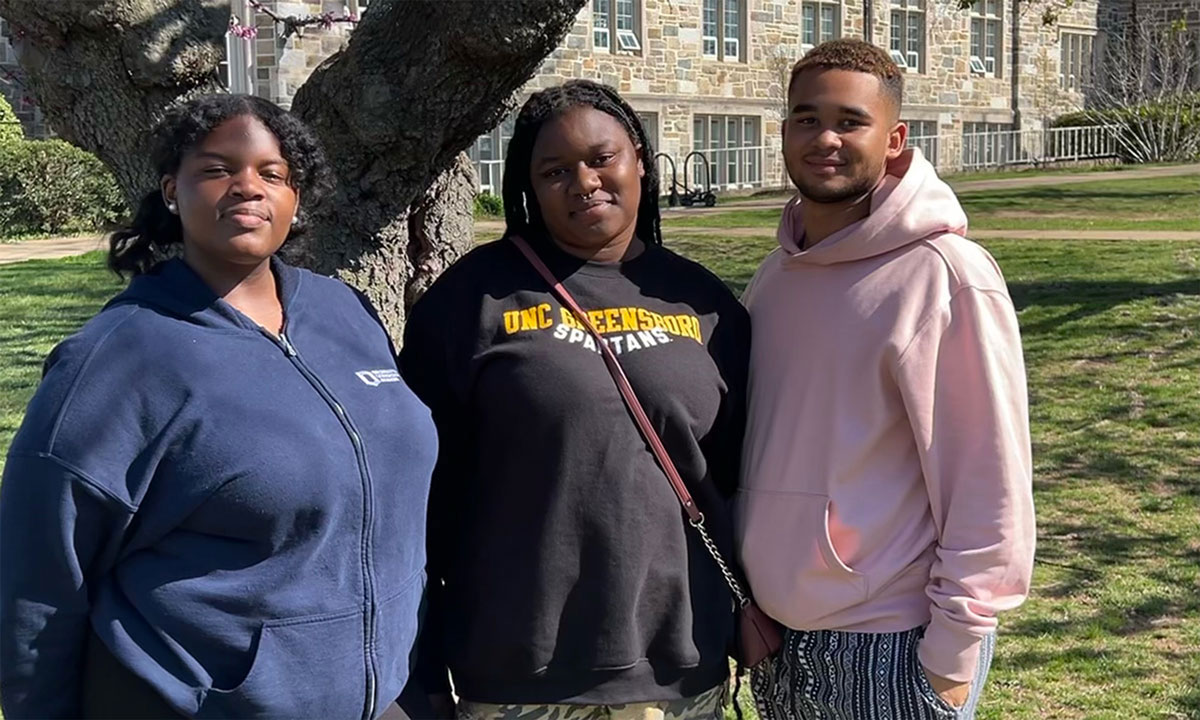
(705, 706)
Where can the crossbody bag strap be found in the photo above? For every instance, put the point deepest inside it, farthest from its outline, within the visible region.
(695, 517)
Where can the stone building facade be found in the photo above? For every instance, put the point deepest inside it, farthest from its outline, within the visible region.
(710, 75)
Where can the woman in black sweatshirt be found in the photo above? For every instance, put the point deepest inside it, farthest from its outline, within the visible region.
(562, 569)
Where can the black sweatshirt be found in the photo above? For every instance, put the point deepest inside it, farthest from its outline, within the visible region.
(570, 573)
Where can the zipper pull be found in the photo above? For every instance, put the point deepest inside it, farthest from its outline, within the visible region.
(288, 348)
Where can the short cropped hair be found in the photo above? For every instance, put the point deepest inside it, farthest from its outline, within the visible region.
(856, 56)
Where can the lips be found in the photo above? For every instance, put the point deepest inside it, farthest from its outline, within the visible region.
(825, 167)
(592, 209)
(245, 216)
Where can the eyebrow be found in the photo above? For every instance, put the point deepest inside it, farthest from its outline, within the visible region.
(844, 109)
(210, 155)
(593, 148)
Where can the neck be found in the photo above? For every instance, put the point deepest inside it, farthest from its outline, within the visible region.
(625, 246)
(251, 289)
(824, 219)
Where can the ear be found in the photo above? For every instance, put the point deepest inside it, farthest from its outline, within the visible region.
(641, 156)
(167, 187)
(897, 140)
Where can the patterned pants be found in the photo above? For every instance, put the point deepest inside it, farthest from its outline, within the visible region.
(834, 675)
(705, 706)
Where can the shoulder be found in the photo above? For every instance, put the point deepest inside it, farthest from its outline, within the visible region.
(966, 264)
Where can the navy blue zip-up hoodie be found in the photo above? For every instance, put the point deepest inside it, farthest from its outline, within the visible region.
(239, 518)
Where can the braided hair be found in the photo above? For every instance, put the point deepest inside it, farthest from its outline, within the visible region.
(522, 215)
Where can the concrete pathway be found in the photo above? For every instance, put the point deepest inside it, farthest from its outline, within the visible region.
(1000, 183)
(50, 248)
(489, 229)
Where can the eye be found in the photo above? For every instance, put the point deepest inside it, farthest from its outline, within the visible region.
(274, 176)
(553, 173)
(853, 123)
(603, 159)
(806, 120)
(215, 171)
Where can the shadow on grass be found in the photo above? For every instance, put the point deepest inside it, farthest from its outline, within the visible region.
(1092, 297)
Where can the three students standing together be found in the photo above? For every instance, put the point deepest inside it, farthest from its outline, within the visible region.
(208, 512)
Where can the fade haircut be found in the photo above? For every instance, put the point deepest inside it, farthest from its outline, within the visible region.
(855, 56)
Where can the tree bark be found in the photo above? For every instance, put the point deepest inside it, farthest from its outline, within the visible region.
(417, 82)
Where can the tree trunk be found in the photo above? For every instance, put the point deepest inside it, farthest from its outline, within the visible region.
(417, 82)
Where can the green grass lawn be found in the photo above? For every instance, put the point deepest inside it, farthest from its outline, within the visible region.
(1112, 342)
(1170, 203)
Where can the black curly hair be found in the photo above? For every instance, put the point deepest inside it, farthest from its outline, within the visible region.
(522, 214)
(148, 240)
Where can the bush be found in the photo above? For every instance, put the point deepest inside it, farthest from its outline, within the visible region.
(1164, 130)
(488, 205)
(52, 187)
(10, 127)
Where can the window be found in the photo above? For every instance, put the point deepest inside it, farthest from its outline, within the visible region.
(616, 25)
(7, 56)
(722, 23)
(923, 134)
(820, 20)
(1077, 60)
(732, 146)
(985, 37)
(236, 70)
(907, 34)
(488, 154)
(650, 124)
(988, 145)
(356, 7)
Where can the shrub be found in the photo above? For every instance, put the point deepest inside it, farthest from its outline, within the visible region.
(1167, 129)
(10, 127)
(488, 205)
(50, 186)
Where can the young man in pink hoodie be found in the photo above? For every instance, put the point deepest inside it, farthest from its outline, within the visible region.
(886, 513)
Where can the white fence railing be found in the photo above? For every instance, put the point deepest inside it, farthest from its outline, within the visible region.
(1007, 148)
(743, 167)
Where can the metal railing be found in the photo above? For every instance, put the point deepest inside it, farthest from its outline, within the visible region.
(1010, 148)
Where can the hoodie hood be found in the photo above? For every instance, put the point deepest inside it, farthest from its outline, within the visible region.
(174, 288)
(911, 203)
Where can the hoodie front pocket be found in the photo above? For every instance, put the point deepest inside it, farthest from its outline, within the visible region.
(310, 666)
(794, 571)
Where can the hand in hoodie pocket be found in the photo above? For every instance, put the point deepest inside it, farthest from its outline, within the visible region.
(290, 675)
(794, 570)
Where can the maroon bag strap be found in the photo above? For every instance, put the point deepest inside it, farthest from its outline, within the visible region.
(695, 517)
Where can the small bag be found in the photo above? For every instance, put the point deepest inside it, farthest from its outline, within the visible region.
(759, 636)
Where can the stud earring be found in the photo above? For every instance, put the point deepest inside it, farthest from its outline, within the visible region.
(172, 208)
(295, 220)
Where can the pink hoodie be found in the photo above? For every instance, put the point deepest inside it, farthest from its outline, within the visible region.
(887, 474)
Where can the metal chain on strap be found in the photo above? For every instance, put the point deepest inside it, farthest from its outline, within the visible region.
(711, 546)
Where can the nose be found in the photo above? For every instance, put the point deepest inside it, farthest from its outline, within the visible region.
(828, 139)
(586, 180)
(247, 185)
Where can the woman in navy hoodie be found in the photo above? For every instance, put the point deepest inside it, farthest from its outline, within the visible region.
(215, 506)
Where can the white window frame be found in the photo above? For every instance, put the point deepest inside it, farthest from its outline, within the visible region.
(987, 22)
(818, 34)
(911, 14)
(607, 34)
(731, 166)
(714, 17)
(1072, 77)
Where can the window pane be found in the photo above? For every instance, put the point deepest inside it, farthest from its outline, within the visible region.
(992, 32)
(977, 37)
(993, 7)
(916, 32)
(710, 26)
(625, 14)
(827, 22)
(809, 33)
(732, 19)
(896, 30)
(600, 13)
